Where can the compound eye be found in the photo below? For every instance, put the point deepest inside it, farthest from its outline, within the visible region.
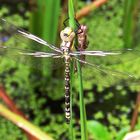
(65, 34)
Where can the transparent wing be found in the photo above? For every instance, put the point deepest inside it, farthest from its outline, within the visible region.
(107, 76)
(40, 54)
(10, 29)
(109, 57)
(95, 53)
(33, 59)
(14, 43)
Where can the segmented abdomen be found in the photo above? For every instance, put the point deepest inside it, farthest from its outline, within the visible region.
(67, 92)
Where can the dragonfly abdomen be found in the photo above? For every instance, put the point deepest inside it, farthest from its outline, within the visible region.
(67, 91)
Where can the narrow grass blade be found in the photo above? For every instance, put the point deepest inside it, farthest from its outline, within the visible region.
(51, 17)
(44, 23)
(82, 105)
(44, 19)
(130, 12)
(71, 130)
(71, 24)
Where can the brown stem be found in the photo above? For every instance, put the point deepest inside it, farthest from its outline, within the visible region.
(23, 124)
(135, 113)
(87, 9)
(10, 103)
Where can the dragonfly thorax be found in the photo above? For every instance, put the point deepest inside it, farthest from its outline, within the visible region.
(67, 35)
(66, 51)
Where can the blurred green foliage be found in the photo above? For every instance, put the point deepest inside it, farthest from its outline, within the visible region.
(42, 98)
(98, 131)
(9, 131)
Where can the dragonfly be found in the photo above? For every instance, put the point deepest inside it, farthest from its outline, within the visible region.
(19, 47)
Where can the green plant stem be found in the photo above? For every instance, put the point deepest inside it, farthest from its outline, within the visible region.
(71, 24)
(44, 23)
(71, 130)
(44, 19)
(130, 7)
(82, 105)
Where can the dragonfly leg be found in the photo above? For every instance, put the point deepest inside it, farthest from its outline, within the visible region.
(77, 24)
(65, 22)
(104, 70)
(90, 64)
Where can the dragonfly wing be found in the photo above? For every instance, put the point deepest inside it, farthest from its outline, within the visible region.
(11, 30)
(13, 45)
(40, 54)
(32, 59)
(107, 76)
(111, 57)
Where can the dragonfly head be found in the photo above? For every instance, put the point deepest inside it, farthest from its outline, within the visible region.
(67, 34)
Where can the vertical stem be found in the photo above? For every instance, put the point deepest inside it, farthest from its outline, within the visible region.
(135, 113)
(82, 105)
(71, 103)
(130, 7)
(71, 24)
(44, 22)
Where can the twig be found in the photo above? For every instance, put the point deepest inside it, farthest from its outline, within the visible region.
(24, 124)
(9, 102)
(135, 113)
(87, 9)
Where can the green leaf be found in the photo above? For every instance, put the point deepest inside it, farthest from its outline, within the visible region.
(98, 131)
(122, 133)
